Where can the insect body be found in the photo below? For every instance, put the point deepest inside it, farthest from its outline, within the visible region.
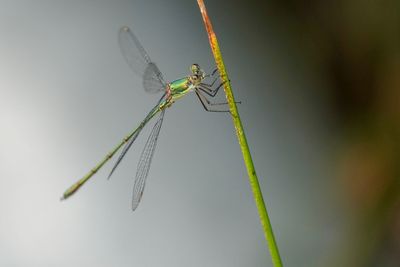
(153, 82)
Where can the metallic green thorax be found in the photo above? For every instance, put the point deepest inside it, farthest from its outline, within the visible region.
(180, 87)
(174, 91)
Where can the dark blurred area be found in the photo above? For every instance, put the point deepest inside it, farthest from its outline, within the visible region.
(319, 83)
(354, 47)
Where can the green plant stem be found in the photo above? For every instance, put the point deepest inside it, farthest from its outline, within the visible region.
(265, 222)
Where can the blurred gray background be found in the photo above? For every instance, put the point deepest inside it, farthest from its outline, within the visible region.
(67, 97)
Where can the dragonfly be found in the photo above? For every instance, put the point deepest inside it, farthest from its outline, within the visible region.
(153, 82)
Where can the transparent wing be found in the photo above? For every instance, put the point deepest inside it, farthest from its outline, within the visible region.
(140, 62)
(145, 162)
(135, 135)
(151, 79)
(125, 150)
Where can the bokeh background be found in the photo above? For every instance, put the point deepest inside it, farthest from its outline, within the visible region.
(319, 83)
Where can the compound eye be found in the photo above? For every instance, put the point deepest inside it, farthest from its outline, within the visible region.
(195, 68)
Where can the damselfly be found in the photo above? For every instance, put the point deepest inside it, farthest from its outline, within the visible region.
(153, 82)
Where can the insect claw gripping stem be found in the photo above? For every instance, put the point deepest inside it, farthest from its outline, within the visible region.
(254, 184)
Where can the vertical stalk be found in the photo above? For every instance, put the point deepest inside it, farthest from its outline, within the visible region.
(264, 218)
